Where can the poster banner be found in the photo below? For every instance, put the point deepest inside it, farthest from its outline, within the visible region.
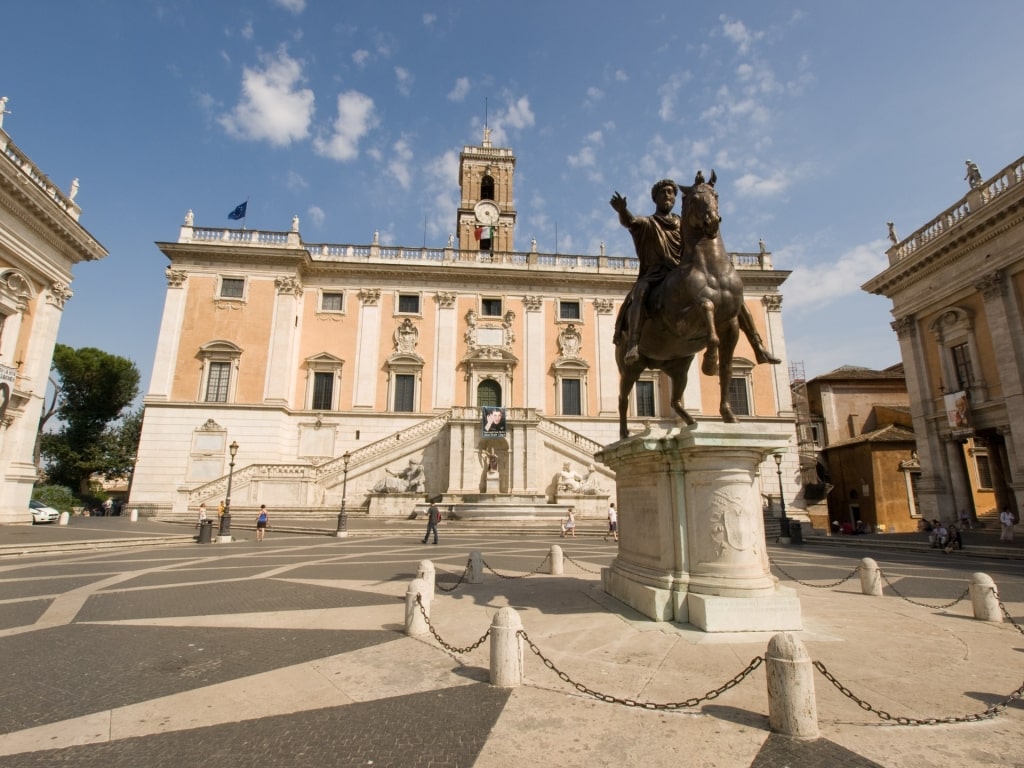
(493, 421)
(958, 412)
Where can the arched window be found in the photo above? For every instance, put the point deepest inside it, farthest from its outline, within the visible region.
(487, 188)
(488, 392)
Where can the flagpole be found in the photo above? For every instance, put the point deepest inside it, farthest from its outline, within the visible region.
(246, 212)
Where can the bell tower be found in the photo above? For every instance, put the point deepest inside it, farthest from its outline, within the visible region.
(486, 216)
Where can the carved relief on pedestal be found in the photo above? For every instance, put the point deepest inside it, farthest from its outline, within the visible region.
(732, 534)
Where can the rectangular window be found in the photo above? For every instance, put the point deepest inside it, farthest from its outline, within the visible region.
(490, 307)
(962, 364)
(409, 303)
(984, 473)
(217, 382)
(572, 402)
(232, 287)
(644, 398)
(569, 310)
(332, 302)
(323, 391)
(405, 390)
(739, 396)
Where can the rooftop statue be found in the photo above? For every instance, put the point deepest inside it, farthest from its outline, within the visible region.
(688, 297)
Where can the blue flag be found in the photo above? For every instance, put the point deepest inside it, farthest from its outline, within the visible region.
(239, 212)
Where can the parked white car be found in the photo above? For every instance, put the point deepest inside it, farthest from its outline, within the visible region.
(42, 513)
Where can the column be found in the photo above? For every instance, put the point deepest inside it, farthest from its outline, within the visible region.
(445, 344)
(534, 357)
(607, 368)
(161, 381)
(283, 333)
(367, 349)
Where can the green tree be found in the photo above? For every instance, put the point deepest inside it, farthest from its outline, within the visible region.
(92, 389)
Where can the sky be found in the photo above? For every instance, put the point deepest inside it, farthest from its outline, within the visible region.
(823, 121)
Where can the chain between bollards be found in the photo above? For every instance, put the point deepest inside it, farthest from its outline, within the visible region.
(520, 576)
(609, 699)
(581, 567)
(950, 604)
(453, 587)
(991, 712)
(777, 567)
(440, 640)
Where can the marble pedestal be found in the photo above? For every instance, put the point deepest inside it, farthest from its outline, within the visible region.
(492, 483)
(691, 532)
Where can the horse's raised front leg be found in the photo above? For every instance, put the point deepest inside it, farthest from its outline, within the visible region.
(710, 364)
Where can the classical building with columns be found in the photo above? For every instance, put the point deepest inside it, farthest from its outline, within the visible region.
(333, 367)
(40, 241)
(957, 287)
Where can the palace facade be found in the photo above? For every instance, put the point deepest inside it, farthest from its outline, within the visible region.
(330, 366)
(40, 241)
(957, 291)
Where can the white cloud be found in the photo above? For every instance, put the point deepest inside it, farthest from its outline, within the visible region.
(429, 19)
(737, 32)
(441, 183)
(356, 117)
(398, 167)
(295, 6)
(585, 159)
(668, 93)
(316, 213)
(295, 182)
(517, 115)
(594, 95)
(272, 107)
(816, 285)
(247, 31)
(405, 80)
(621, 76)
(460, 90)
(752, 185)
(359, 57)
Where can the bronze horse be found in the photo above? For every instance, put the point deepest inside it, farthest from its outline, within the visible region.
(699, 305)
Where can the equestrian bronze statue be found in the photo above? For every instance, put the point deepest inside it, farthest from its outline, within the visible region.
(688, 297)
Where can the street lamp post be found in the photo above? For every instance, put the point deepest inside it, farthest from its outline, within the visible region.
(784, 532)
(224, 534)
(342, 531)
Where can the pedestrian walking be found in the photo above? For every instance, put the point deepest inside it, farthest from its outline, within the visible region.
(1006, 521)
(569, 525)
(433, 518)
(262, 521)
(613, 523)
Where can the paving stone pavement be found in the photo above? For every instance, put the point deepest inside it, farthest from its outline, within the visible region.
(293, 653)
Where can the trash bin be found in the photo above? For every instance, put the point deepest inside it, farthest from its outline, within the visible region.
(206, 532)
(796, 534)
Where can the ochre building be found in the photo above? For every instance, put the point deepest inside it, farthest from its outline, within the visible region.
(330, 366)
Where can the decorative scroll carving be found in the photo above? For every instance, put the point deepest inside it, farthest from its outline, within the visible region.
(175, 277)
(772, 302)
(904, 326)
(445, 299)
(992, 285)
(369, 296)
(59, 294)
(288, 285)
(533, 303)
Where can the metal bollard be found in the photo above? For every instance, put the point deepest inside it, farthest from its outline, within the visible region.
(870, 578)
(427, 573)
(985, 598)
(556, 568)
(792, 708)
(415, 623)
(506, 649)
(65, 518)
(134, 518)
(476, 567)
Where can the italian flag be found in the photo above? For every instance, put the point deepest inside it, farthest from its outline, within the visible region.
(484, 233)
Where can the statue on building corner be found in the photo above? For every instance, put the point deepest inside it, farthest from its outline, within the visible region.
(973, 177)
(893, 237)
